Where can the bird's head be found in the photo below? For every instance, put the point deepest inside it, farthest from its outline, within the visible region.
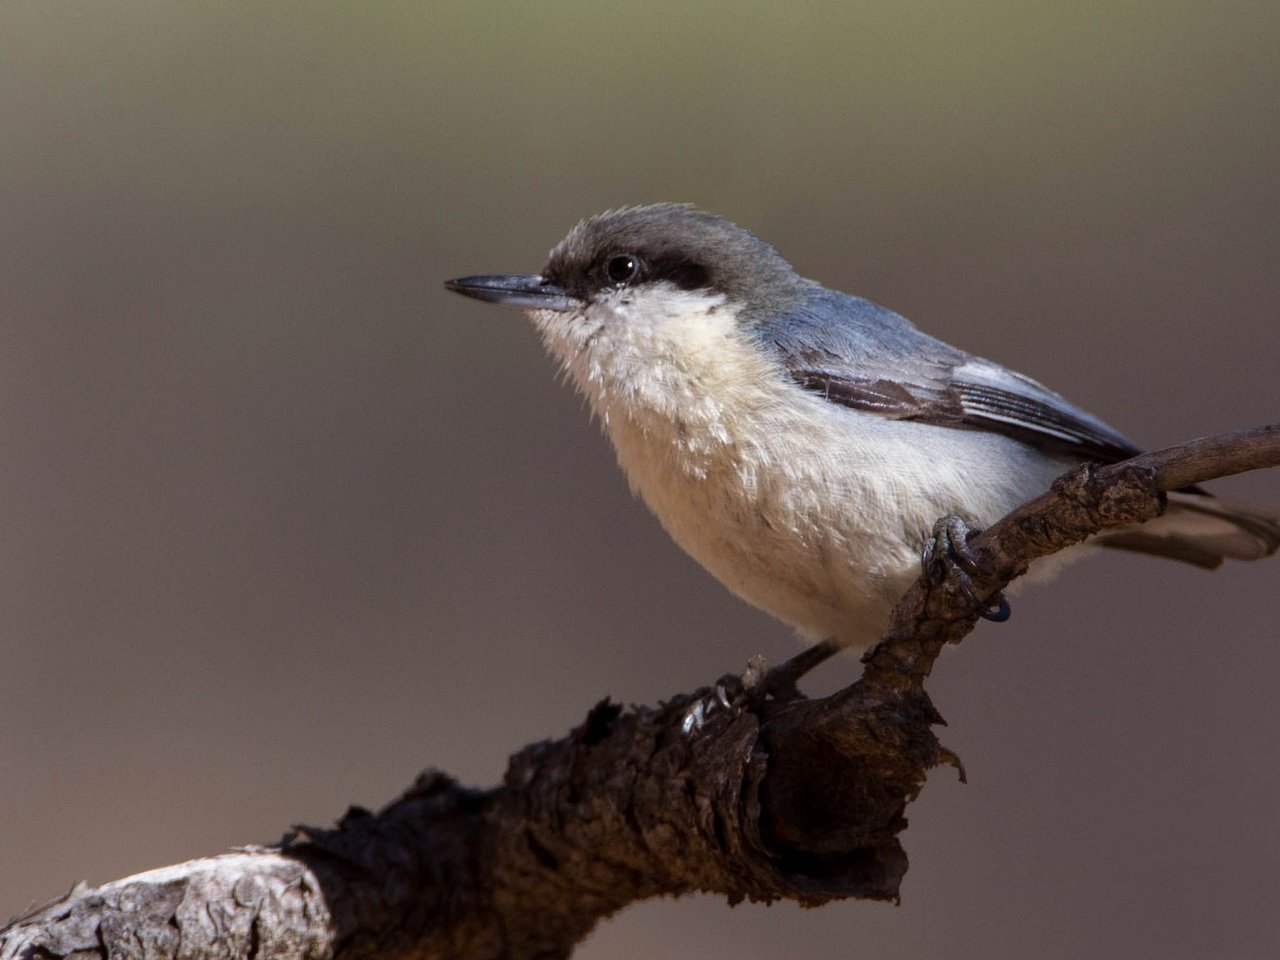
(641, 267)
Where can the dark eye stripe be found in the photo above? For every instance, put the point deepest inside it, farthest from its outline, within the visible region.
(621, 269)
(685, 274)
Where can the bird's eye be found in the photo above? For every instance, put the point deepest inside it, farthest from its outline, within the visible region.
(622, 268)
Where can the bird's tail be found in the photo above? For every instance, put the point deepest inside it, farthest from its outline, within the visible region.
(1200, 529)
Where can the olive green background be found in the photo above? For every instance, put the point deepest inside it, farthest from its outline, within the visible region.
(283, 522)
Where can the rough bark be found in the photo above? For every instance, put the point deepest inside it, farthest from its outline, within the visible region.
(725, 789)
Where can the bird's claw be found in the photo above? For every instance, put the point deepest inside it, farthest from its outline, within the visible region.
(759, 682)
(947, 555)
(728, 694)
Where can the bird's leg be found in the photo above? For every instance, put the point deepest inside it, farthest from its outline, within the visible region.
(780, 682)
(947, 554)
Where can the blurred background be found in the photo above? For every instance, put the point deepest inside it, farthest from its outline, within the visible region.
(282, 522)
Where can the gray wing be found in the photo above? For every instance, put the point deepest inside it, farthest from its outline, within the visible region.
(866, 357)
(862, 356)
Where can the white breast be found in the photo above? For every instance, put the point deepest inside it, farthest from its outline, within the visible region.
(806, 509)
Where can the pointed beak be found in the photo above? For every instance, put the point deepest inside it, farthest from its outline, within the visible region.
(530, 292)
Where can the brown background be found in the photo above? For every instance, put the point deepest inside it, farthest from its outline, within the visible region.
(283, 522)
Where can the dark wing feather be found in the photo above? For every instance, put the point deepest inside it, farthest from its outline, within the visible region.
(1036, 415)
(863, 356)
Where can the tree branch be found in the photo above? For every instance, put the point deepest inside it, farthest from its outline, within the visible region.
(723, 790)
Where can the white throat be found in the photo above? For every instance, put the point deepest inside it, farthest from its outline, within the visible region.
(660, 359)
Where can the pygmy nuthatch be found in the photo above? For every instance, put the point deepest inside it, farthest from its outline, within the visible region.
(799, 442)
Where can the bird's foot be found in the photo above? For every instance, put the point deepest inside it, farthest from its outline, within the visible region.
(947, 555)
(728, 695)
(759, 682)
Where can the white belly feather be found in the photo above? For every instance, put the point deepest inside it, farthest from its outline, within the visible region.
(811, 511)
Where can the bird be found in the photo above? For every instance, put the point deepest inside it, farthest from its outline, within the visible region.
(799, 442)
